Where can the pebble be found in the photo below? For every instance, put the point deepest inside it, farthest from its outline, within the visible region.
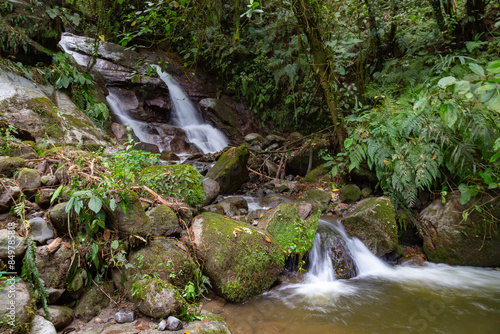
(162, 325)
(174, 324)
(98, 321)
(124, 316)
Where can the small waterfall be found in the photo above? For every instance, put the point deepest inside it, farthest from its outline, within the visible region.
(207, 138)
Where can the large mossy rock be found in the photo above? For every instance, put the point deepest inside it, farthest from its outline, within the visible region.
(179, 181)
(373, 221)
(20, 316)
(164, 258)
(292, 225)
(449, 239)
(320, 198)
(316, 173)
(231, 171)
(27, 107)
(157, 298)
(134, 220)
(240, 260)
(165, 221)
(8, 166)
(349, 193)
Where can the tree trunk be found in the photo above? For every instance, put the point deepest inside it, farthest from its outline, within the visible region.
(474, 25)
(375, 36)
(438, 14)
(308, 20)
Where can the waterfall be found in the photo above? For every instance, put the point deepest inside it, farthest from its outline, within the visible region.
(207, 138)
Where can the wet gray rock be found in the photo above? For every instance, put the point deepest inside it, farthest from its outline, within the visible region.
(124, 316)
(39, 325)
(157, 298)
(59, 219)
(162, 325)
(230, 171)
(174, 324)
(44, 197)
(234, 206)
(40, 231)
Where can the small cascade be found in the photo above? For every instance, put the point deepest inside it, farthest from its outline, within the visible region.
(207, 138)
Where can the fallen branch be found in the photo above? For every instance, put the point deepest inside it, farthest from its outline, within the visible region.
(155, 195)
(104, 292)
(272, 178)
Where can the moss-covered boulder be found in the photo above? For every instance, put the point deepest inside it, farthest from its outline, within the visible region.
(93, 301)
(231, 171)
(292, 225)
(316, 173)
(240, 260)
(8, 195)
(28, 179)
(165, 258)
(349, 193)
(17, 319)
(373, 221)
(320, 198)
(449, 239)
(8, 166)
(23, 150)
(157, 298)
(134, 220)
(165, 221)
(179, 181)
(59, 219)
(55, 118)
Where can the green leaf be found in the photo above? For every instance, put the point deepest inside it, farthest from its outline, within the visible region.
(348, 142)
(495, 157)
(445, 82)
(56, 193)
(115, 244)
(69, 205)
(494, 102)
(466, 193)
(78, 206)
(449, 114)
(476, 69)
(494, 67)
(112, 205)
(484, 88)
(95, 255)
(462, 87)
(95, 204)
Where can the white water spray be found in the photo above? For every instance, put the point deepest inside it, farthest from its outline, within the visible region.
(207, 138)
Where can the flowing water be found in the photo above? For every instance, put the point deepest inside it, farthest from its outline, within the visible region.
(207, 138)
(435, 298)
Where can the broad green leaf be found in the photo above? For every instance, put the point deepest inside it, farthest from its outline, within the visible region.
(466, 193)
(462, 87)
(476, 69)
(449, 114)
(494, 102)
(495, 157)
(445, 82)
(484, 88)
(112, 205)
(420, 104)
(78, 206)
(69, 205)
(95, 204)
(494, 67)
(115, 244)
(95, 255)
(486, 177)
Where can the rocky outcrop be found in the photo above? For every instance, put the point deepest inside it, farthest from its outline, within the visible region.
(373, 221)
(240, 260)
(448, 238)
(59, 120)
(222, 116)
(230, 171)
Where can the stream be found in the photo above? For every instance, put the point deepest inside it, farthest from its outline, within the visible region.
(435, 298)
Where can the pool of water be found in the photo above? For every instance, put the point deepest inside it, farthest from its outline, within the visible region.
(434, 298)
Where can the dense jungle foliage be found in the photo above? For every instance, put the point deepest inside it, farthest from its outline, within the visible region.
(410, 89)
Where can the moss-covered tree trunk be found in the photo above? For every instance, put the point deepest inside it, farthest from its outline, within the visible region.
(308, 19)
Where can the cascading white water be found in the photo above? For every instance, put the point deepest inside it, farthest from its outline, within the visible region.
(207, 138)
